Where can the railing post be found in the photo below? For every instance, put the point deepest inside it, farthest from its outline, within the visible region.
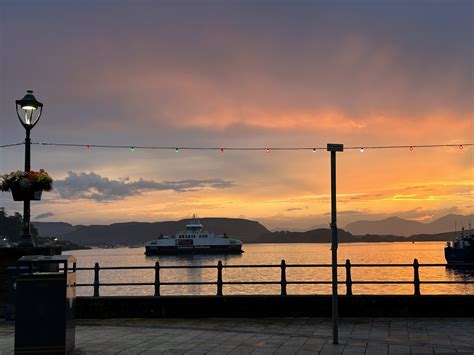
(283, 278)
(96, 279)
(416, 278)
(348, 278)
(219, 278)
(157, 278)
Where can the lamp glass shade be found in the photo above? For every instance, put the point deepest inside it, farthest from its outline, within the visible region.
(29, 110)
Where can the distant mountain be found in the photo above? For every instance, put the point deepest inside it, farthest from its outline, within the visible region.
(403, 227)
(137, 233)
(53, 229)
(323, 235)
(320, 235)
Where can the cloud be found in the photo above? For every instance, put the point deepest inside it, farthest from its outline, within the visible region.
(348, 213)
(297, 208)
(44, 215)
(92, 186)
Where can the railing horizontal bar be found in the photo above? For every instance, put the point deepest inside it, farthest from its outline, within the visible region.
(383, 282)
(273, 283)
(268, 266)
(251, 283)
(454, 266)
(313, 282)
(313, 265)
(126, 284)
(249, 266)
(188, 283)
(126, 267)
(447, 282)
(382, 265)
(189, 267)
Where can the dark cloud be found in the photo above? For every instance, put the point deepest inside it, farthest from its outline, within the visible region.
(297, 209)
(44, 215)
(348, 213)
(195, 59)
(92, 186)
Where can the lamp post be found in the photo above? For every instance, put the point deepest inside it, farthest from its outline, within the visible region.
(28, 110)
(333, 148)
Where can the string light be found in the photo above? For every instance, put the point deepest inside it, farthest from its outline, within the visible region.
(361, 149)
(11, 145)
(222, 149)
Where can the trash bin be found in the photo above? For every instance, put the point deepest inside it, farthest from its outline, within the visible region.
(12, 272)
(45, 305)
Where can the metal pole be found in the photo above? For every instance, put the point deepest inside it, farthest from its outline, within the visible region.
(219, 278)
(335, 332)
(333, 148)
(283, 278)
(157, 278)
(96, 279)
(26, 236)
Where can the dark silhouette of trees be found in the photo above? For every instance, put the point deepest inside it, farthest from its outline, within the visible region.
(11, 226)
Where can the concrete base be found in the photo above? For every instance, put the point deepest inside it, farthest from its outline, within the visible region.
(274, 306)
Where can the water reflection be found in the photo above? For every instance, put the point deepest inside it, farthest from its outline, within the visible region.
(363, 253)
(461, 272)
(191, 274)
(193, 259)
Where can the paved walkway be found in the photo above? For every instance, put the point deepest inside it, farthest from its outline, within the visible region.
(266, 336)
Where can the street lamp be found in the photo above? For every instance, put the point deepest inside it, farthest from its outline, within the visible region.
(29, 111)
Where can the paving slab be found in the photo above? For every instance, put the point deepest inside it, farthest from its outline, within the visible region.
(242, 336)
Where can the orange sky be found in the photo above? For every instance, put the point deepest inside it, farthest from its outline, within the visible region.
(243, 75)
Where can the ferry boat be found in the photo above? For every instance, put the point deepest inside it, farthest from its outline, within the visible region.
(461, 249)
(194, 240)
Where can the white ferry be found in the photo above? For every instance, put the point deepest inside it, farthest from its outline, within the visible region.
(194, 240)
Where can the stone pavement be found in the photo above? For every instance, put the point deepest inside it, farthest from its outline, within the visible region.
(267, 336)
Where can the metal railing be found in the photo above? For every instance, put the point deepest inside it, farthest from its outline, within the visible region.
(283, 282)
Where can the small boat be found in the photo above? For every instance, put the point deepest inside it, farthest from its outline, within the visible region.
(461, 249)
(194, 240)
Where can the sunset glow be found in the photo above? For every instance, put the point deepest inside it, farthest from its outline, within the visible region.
(243, 75)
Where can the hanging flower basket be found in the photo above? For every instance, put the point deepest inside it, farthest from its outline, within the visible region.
(20, 194)
(26, 186)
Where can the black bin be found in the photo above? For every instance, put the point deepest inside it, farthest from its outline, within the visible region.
(12, 273)
(45, 305)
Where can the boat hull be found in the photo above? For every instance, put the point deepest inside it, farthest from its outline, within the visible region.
(174, 250)
(459, 256)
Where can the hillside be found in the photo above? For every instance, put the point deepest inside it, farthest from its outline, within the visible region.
(403, 227)
(53, 229)
(137, 233)
(319, 235)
